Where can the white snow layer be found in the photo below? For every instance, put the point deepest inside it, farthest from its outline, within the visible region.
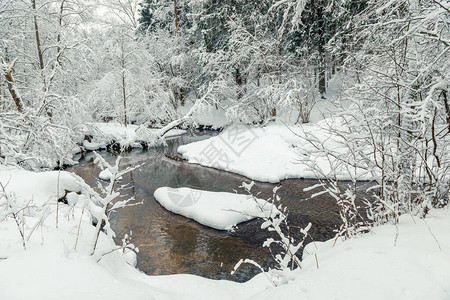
(107, 175)
(378, 265)
(274, 152)
(132, 135)
(218, 210)
(208, 116)
(32, 188)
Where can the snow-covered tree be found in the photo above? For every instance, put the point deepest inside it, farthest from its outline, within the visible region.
(399, 112)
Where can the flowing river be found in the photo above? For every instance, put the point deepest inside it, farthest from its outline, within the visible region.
(173, 244)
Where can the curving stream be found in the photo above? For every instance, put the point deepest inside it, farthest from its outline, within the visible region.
(172, 244)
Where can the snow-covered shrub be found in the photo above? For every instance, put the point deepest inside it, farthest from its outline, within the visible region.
(108, 203)
(10, 208)
(34, 142)
(276, 222)
(300, 92)
(353, 217)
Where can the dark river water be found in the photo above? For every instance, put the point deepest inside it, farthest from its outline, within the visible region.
(172, 244)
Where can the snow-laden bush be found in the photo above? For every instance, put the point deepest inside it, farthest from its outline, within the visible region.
(108, 201)
(276, 222)
(10, 208)
(34, 142)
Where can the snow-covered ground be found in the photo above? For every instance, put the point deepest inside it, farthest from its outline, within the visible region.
(220, 211)
(36, 188)
(410, 261)
(274, 152)
(132, 135)
(407, 261)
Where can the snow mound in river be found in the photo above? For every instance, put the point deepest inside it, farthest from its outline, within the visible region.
(218, 210)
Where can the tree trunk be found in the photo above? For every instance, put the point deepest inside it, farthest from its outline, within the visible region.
(1, 90)
(175, 10)
(322, 77)
(40, 56)
(447, 108)
(58, 38)
(124, 99)
(321, 49)
(10, 81)
(240, 80)
(38, 40)
(124, 91)
(406, 119)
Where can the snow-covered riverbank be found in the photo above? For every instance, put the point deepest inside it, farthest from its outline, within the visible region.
(276, 152)
(103, 134)
(410, 261)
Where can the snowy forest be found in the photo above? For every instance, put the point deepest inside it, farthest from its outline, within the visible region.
(198, 149)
